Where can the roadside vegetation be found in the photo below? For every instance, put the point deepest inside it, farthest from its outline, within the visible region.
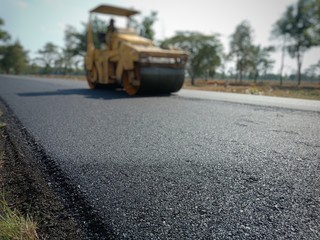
(13, 226)
(29, 208)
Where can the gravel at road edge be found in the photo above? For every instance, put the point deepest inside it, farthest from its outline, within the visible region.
(35, 186)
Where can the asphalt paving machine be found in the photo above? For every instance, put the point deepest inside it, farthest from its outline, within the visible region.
(128, 60)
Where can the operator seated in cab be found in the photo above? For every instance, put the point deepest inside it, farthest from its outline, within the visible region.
(110, 30)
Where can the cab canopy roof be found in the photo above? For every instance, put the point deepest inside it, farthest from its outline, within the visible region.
(107, 9)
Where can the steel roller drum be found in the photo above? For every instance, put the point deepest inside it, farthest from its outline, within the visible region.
(160, 80)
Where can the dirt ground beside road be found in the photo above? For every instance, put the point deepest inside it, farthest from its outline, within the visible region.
(25, 188)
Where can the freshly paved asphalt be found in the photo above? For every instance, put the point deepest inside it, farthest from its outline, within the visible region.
(179, 166)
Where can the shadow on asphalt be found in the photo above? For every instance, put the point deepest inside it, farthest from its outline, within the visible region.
(107, 94)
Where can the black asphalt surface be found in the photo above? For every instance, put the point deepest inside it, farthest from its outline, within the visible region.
(171, 167)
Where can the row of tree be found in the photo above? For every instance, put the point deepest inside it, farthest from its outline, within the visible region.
(206, 55)
(298, 29)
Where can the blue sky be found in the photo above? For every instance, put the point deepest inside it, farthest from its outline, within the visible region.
(36, 22)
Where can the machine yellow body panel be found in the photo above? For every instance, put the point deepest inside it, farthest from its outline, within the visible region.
(132, 61)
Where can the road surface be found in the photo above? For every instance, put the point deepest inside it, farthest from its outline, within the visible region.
(193, 165)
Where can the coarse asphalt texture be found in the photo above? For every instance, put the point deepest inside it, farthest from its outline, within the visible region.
(175, 167)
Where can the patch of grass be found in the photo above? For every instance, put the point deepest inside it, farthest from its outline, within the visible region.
(15, 227)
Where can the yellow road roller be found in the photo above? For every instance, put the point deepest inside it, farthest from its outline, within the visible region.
(128, 60)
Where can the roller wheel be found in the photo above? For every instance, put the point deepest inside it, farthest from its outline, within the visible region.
(92, 77)
(131, 87)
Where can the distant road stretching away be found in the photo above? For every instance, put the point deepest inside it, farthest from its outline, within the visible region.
(192, 165)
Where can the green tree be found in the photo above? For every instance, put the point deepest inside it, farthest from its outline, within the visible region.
(313, 71)
(147, 24)
(4, 36)
(14, 58)
(223, 65)
(71, 50)
(144, 28)
(313, 12)
(76, 41)
(300, 24)
(207, 60)
(48, 56)
(205, 52)
(260, 60)
(241, 48)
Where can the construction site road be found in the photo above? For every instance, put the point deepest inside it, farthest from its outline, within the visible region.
(191, 165)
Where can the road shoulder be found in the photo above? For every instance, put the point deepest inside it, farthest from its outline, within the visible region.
(27, 189)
